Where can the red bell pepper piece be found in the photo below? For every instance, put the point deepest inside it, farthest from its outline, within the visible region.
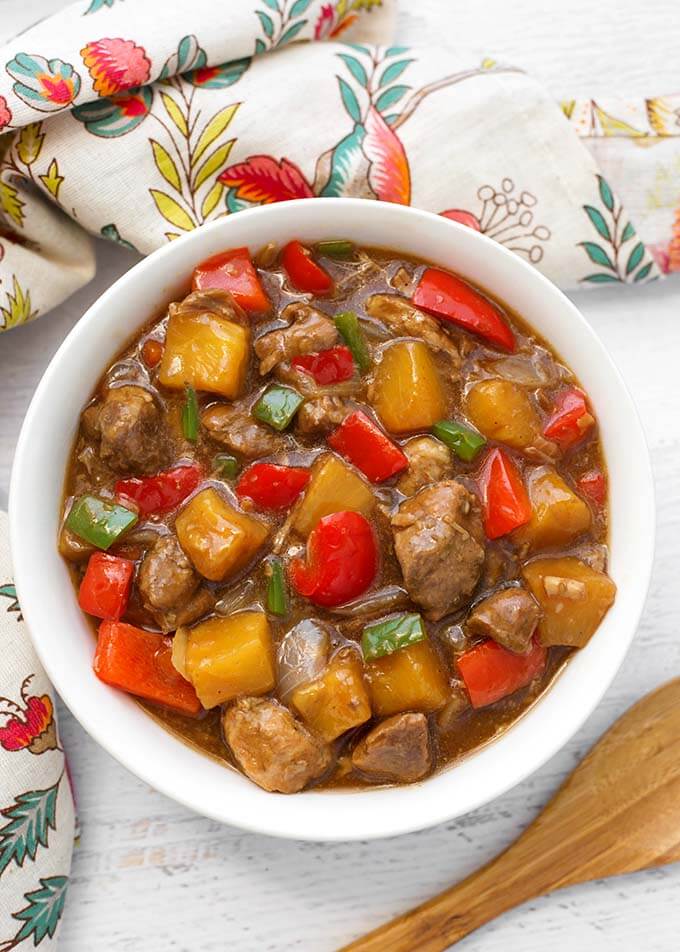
(491, 672)
(105, 588)
(342, 559)
(363, 443)
(570, 419)
(233, 271)
(270, 486)
(161, 492)
(593, 485)
(504, 498)
(304, 273)
(328, 366)
(452, 299)
(140, 662)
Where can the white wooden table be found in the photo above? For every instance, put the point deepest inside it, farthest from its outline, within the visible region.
(148, 874)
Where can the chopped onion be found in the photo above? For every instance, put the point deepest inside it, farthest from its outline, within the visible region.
(302, 656)
(383, 600)
(233, 601)
(179, 651)
(540, 370)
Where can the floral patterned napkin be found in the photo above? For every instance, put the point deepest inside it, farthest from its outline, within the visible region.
(36, 807)
(141, 120)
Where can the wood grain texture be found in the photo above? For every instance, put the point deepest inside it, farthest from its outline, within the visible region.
(148, 874)
(618, 812)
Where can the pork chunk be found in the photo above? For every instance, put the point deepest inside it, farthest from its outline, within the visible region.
(235, 428)
(429, 461)
(509, 616)
(439, 542)
(213, 301)
(272, 748)
(405, 320)
(133, 435)
(396, 751)
(169, 585)
(308, 331)
(320, 415)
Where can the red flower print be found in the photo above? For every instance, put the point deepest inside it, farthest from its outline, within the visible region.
(327, 24)
(462, 216)
(389, 175)
(30, 727)
(116, 65)
(5, 114)
(262, 179)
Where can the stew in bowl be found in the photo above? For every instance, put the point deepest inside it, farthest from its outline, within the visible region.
(339, 516)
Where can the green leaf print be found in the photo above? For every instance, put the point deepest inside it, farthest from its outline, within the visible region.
(606, 194)
(9, 591)
(355, 68)
(267, 23)
(597, 218)
(350, 101)
(390, 97)
(635, 257)
(598, 255)
(43, 912)
(393, 71)
(31, 817)
(614, 231)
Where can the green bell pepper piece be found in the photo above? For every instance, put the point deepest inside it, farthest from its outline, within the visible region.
(277, 406)
(386, 637)
(97, 522)
(462, 440)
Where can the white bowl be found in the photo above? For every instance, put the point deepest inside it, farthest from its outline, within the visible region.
(63, 637)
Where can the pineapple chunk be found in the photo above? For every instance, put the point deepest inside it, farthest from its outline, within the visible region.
(410, 679)
(226, 657)
(334, 487)
(217, 538)
(502, 411)
(573, 598)
(336, 701)
(407, 391)
(558, 515)
(206, 352)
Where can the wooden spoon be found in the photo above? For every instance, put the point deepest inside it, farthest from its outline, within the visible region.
(618, 812)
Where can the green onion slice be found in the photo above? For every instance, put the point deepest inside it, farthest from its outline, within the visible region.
(277, 595)
(190, 415)
(350, 330)
(225, 465)
(336, 248)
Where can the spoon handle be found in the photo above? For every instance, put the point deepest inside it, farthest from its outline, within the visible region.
(448, 917)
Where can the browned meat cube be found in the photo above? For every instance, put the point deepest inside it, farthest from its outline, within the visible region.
(271, 747)
(429, 461)
(235, 428)
(133, 435)
(320, 415)
(439, 541)
(168, 585)
(396, 751)
(509, 616)
(405, 320)
(308, 331)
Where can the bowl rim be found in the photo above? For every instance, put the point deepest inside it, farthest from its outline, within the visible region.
(357, 814)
